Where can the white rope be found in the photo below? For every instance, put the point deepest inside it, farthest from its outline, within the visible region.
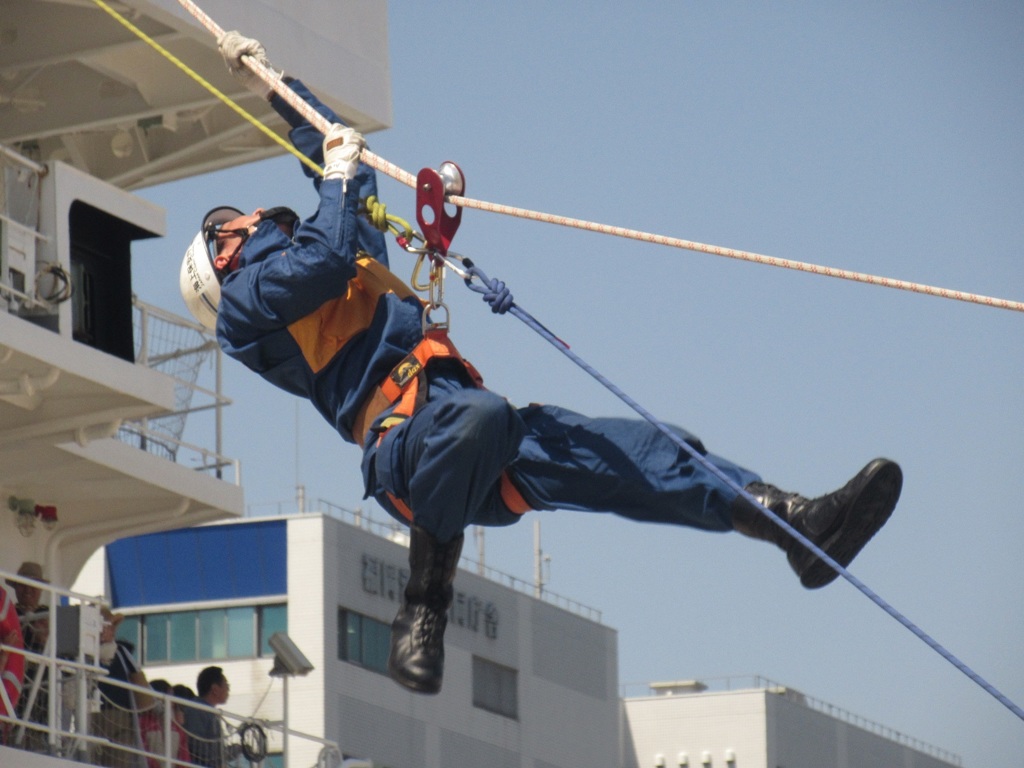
(389, 169)
(297, 103)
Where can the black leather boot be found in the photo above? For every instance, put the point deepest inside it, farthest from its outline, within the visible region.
(840, 523)
(417, 633)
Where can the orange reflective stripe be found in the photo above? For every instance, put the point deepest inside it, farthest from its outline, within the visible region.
(400, 505)
(513, 499)
(13, 671)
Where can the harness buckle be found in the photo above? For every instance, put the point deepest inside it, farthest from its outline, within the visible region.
(431, 323)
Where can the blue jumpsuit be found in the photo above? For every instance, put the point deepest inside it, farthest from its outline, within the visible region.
(303, 314)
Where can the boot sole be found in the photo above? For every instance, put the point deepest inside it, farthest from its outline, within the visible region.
(869, 511)
(414, 684)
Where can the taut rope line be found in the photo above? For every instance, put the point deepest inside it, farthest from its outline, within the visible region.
(389, 169)
(206, 84)
(732, 253)
(317, 120)
(561, 346)
(409, 179)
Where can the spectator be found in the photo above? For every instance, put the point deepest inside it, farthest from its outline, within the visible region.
(205, 733)
(183, 692)
(35, 630)
(35, 624)
(12, 663)
(119, 707)
(151, 726)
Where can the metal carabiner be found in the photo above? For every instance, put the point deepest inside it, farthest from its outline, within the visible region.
(454, 262)
(408, 243)
(415, 281)
(435, 292)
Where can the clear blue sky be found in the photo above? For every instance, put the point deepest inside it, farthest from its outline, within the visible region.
(879, 137)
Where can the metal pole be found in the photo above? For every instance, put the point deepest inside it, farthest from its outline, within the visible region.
(218, 411)
(284, 736)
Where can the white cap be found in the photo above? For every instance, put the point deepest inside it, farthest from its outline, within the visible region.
(199, 281)
(199, 284)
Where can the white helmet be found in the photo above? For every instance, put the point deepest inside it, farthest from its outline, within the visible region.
(199, 279)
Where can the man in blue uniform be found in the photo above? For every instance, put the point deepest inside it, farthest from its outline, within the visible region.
(313, 308)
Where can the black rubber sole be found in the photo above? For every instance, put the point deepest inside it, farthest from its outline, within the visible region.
(429, 686)
(880, 484)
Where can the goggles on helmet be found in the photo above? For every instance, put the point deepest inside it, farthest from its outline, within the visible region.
(226, 230)
(224, 242)
(214, 253)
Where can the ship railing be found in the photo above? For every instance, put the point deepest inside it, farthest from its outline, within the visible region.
(80, 718)
(189, 354)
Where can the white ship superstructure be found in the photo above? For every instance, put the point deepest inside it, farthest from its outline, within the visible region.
(95, 387)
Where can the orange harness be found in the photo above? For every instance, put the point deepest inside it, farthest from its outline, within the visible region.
(403, 385)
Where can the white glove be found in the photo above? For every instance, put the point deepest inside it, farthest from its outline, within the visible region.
(232, 47)
(342, 148)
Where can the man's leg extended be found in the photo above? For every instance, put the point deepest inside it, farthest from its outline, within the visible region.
(631, 468)
(624, 466)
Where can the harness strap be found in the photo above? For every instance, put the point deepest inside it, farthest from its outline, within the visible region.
(405, 375)
(403, 385)
(510, 495)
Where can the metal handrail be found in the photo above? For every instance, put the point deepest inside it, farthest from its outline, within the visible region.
(87, 673)
(212, 459)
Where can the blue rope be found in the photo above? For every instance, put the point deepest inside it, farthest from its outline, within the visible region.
(498, 296)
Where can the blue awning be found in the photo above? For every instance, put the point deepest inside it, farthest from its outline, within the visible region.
(211, 563)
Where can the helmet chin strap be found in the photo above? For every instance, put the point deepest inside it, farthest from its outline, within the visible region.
(226, 263)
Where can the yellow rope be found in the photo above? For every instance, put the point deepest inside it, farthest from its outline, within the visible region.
(377, 215)
(208, 86)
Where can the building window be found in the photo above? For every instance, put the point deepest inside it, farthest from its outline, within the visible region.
(273, 618)
(363, 641)
(494, 688)
(241, 632)
(181, 635)
(154, 639)
(213, 643)
(205, 635)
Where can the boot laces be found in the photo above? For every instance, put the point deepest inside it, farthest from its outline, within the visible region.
(429, 627)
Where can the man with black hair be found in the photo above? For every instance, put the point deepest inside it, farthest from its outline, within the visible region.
(205, 734)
